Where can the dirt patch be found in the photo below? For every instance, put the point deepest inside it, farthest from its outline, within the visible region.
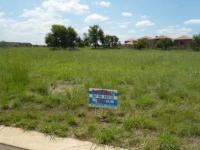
(191, 143)
(63, 86)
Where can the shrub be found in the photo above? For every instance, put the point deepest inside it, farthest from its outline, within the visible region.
(164, 44)
(196, 42)
(142, 44)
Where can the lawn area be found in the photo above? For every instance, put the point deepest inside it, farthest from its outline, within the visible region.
(159, 95)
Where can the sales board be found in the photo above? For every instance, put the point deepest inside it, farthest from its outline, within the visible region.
(103, 98)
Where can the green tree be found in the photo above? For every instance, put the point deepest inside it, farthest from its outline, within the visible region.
(71, 37)
(111, 41)
(60, 36)
(142, 44)
(164, 44)
(86, 39)
(101, 37)
(196, 42)
(80, 42)
(107, 41)
(96, 35)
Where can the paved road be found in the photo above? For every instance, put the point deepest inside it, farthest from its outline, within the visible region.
(6, 147)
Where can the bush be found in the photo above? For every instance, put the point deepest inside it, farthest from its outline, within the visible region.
(142, 44)
(196, 42)
(164, 44)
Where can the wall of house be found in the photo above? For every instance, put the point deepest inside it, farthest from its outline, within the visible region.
(182, 43)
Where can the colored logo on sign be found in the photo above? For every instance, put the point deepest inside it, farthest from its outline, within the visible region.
(101, 98)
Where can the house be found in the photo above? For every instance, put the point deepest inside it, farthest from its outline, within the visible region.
(161, 37)
(130, 43)
(180, 42)
(183, 41)
(149, 40)
(157, 38)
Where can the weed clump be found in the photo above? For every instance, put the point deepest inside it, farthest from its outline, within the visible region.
(105, 135)
(168, 142)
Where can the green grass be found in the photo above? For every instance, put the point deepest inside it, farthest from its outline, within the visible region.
(159, 95)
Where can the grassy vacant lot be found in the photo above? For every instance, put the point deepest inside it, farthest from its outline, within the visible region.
(159, 97)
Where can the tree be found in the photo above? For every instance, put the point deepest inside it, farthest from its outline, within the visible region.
(196, 42)
(142, 44)
(96, 35)
(111, 41)
(71, 37)
(86, 39)
(60, 36)
(115, 41)
(101, 37)
(164, 43)
(80, 42)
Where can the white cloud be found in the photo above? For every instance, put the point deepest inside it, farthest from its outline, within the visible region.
(174, 31)
(105, 4)
(192, 22)
(144, 24)
(96, 18)
(36, 22)
(127, 14)
(3, 21)
(66, 6)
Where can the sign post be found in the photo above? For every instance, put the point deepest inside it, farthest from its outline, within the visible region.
(103, 98)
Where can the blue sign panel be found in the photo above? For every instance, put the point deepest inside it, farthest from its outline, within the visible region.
(102, 98)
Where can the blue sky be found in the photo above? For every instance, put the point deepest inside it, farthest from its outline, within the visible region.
(30, 20)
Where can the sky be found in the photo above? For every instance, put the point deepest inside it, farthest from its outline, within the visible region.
(31, 20)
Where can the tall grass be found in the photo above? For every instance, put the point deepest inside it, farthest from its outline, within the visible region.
(14, 78)
(158, 93)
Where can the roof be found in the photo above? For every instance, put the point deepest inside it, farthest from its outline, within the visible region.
(129, 43)
(132, 39)
(161, 37)
(146, 37)
(184, 37)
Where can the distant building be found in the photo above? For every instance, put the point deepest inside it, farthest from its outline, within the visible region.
(183, 42)
(180, 42)
(130, 43)
(156, 39)
(149, 40)
(161, 37)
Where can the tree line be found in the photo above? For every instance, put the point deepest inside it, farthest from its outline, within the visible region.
(66, 37)
(14, 44)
